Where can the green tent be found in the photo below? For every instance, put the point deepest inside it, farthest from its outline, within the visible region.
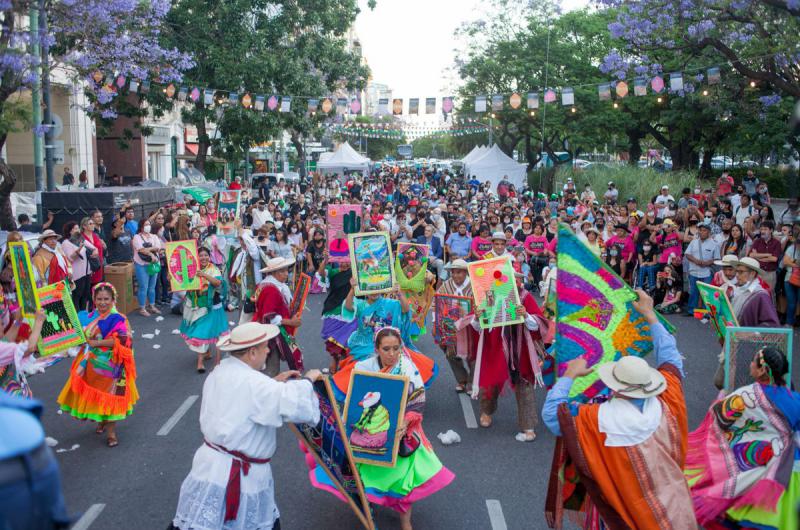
(201, 195)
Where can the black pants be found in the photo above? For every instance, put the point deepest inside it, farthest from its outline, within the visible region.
(538, 263)
(162, 285)
(82, 295)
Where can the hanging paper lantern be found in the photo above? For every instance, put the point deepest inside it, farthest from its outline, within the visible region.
(326, 105)
(247, 100)
(194, 95)
(657, 84)
(515, 100)
(170, 90)
(97, 76)
(121, 81)
(272, 102)
(622, 89)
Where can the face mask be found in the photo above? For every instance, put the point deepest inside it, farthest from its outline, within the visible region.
(552, 265)
(763, 214)
(294, 230)
(278, 224)
(614, 253)
(195, 209)
(647, 248)
(147, 229)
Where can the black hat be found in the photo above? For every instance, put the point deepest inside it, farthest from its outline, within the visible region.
(623, 227)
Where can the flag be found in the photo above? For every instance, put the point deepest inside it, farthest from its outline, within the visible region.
(247, 100)
(604, 91)
(640, 86)
(497, 103)
(430, 105)
(286, 104)
(713, 76)
(170, 91)
(145, 86)
(657, 84)
(567, 96)
(549, 95)
(413, 106)
(208, 96)
(327, 105)
(182, 93)
(383, 106)
(480, 103)
(120, 81)
(676, 81)
(515, 100)
(341, 106)
(533, 100)
(313, 104)
(622, 89)
(233, 98)
(194, 95)
(447, 105)
(355, 106)
(272, 102)
(259, 105)
(595, 318)
(397, 106)
(133, 86)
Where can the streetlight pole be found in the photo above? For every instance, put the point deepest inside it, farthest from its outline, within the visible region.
(36, 101)
(48, 113)
(491, 129)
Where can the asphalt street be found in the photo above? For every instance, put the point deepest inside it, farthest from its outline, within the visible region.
(500, 483)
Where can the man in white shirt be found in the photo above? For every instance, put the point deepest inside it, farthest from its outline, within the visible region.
(701, 254)
(260, 215)
(744, 210)
(230, 484)
(663, 200)
(612, 193)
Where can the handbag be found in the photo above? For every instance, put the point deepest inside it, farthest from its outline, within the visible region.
(153, 268)
(94, 263)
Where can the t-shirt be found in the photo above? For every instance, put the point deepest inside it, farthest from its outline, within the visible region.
(459, 245)
(481, 246)
(669, 244)
(132, 227)
(120, 249)
(537, 244)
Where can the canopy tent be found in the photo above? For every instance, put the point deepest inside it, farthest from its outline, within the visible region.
(345, 158)
(493, 165)
(477, 152)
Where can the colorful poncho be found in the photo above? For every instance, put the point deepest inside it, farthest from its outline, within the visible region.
(102, 381)
(743, 463)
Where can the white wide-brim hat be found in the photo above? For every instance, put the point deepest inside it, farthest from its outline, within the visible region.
(632, 377)
(247, 336)
(456, 264)
(499, 235)
(728, 260)
(276, 264)
(750, 263)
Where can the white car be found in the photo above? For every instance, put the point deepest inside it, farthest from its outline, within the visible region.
(722, 162)
(579, 163)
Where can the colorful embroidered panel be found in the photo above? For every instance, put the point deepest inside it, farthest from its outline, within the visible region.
(301, 287)
(341, 220)
(449, 309)
(24, 279)
(719, 308)
(594, 315)
(411, 264)
(495, 290)
(183, 265)
(62, 328)
(371, 262)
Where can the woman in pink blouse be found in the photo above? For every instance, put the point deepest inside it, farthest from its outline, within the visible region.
(539, 250)
(77, 250)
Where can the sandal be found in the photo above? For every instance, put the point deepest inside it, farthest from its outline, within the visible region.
(486, 421)
(153, 309)
(112, 441)
(101, 427)
(144, 312)
(527, 436)
(459, 389)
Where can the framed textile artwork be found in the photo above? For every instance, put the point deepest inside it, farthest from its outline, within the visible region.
(341, 220)
(228, 204)
(411, 264)
(24, 279)
(327, 443)
(183, 265)
(448, 309)
(62, 328)
(371, 262)
(741, 346)
(719, 307)
(301, 287)
(495, 291)
(595, 317)
(375, 405)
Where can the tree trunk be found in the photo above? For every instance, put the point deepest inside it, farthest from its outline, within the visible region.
(682, 155)
(706, 171)
(635, 136)
(532, 156)
(9, 180)
(301, 153)
(202, 140)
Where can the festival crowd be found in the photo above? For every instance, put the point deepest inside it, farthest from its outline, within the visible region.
(727, 235)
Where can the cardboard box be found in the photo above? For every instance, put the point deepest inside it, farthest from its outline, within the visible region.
(120, 275)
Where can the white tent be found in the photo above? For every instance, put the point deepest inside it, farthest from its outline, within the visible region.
(343, 159)
(477, 152)
(493, 165)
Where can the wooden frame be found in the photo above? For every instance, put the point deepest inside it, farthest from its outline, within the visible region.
(371, 255)
(62, 329)
(716, 299)
(225, 199)
(448, 339)
(393, 420)
(494, 288)
(732, 331)
(307, 434)
(301, 287)
(182, 257)
(24, 279)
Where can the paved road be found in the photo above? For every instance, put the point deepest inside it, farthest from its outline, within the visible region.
(136, 485)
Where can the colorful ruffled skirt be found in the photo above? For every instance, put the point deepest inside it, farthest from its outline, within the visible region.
(101, 385)
(335, 332)
(412, 479)
(428, 370)
(201, 327)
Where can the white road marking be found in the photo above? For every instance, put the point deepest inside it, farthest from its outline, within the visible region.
(469, 414)
(175, 418)
(89, 516)
(496, 515)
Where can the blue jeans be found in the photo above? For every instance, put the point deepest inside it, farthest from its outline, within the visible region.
(792, 295)
(650, 272)
(147, 285)
(694, 293)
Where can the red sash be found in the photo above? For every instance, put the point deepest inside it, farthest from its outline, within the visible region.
(240, 464)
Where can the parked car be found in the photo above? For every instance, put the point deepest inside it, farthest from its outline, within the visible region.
(579, 163)
(722, 162)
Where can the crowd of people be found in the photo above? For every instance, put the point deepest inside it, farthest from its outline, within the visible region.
(727, 235)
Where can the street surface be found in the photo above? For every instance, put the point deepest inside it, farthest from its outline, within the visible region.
(500, 483)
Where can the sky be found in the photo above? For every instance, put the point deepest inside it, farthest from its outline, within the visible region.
(409, 44)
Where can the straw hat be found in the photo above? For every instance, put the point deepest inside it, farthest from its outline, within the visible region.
(276, 264)
(459, 264)
(47, 234)
(751, 263)
(632, 377)
(669, 222)
(247, 335)
(728, 260)
(499, 235)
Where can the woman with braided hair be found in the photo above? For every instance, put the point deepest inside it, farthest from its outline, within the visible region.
(742, 463)
(102, 381)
